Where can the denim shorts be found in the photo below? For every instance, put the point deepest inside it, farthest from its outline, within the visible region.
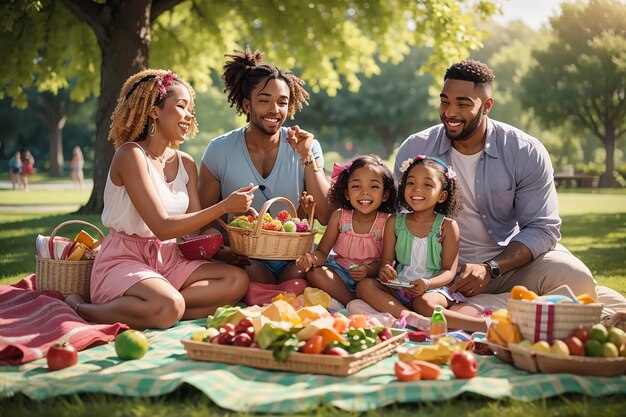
(276, 267)
(343, 273)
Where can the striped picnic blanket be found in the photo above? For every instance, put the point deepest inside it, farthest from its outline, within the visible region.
(238, 388)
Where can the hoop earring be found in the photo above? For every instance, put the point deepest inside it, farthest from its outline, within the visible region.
(152, 129)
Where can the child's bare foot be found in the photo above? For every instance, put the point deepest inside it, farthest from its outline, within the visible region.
(418, 321)
(73, 300)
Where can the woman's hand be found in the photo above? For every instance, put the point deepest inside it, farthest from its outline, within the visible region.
(239, 201)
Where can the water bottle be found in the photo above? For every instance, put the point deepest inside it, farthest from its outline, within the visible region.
(438, 324)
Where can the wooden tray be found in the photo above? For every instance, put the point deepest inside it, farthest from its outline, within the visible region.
(500, 352)
(295, 362)
(550, 363)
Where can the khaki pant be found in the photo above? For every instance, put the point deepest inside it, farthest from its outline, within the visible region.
(546, 273)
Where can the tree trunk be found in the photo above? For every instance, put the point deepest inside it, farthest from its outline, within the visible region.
(608, 180)
(56, 146)
(124, 45)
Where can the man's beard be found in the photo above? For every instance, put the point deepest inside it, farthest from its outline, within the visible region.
(469, 128)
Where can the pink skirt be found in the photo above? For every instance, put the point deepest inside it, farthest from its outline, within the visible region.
(124, 260)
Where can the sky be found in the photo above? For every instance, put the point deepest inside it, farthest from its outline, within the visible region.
(535, 13)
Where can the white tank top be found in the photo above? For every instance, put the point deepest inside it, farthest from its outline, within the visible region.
(119, 212)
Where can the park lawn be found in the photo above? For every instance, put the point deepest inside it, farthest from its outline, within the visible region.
(594, 228)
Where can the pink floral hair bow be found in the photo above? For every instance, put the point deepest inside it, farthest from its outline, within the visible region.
(164, 82)
(338, 169)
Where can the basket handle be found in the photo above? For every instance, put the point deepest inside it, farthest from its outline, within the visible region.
(265, 207)
(56, 229)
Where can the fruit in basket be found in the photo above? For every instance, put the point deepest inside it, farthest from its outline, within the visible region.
(289, 226)
(131, 344)
(575, 346)
(519, 292)
(598, 332)
(609, 350)
(273, 225)
(61, 355)
(385, 334)
(314, 345)
(463, 364)
(242, 339)
(335, 351)
(540, 346)
(559, 347)
(581, 333)
(283, 216)
(615, 336)
(302, 225)
(594, 348)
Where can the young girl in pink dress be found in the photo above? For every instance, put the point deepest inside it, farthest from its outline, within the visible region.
(365, 193)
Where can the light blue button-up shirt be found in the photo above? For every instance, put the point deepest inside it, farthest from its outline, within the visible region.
(515, 189)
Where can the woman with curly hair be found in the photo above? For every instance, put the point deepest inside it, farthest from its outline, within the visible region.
(283, 162)
(150, 199)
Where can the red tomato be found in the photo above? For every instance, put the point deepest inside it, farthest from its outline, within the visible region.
(335, 351)
(464, 364)
(407, 371)
(61, 355)
(385, 334)
(314, 345)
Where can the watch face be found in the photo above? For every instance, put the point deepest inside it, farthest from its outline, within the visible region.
(494, 269)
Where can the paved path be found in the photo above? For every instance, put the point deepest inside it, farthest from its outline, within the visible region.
(61, 185)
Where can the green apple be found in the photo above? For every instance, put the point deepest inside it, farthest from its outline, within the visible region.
(598, 332)
(594, 348)
(525, 344)
(559, 348)
(609, 350)
(540, 346)
(616, 336)
(289, 226)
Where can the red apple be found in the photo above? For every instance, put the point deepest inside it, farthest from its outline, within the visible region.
(464, 364)
(61, 355)
(575, 346)
(582, 334)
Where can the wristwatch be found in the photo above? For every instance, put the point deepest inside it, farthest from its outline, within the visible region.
(494, 269)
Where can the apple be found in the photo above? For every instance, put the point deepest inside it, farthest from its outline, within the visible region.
(616, 336)
(525, 344)
(61, 355)
(582, 334)
(559, 347)
(598, 332)
(540, 346)
(575, 346)
(609, 350)
(464, 364)
(594, 348)
(289, 226)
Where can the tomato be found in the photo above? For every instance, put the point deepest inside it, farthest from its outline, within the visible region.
(61, 355)
(314, 345)
(407, 371)
(335, 351)
(385, 334)
(242, 339)
(463, 364)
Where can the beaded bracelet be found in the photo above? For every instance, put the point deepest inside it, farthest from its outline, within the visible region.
(310, 160)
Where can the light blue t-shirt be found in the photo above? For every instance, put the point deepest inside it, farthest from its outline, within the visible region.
(227, 158)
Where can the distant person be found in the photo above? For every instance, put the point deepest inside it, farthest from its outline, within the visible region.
(509, 223)
(76, 167)
(151, 198)
(283, 162)
(15, 169)
(28, 168)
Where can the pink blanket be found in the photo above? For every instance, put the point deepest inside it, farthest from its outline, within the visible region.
(31, 321)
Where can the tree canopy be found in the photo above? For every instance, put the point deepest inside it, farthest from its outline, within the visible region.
(580, 77)
(100, 43)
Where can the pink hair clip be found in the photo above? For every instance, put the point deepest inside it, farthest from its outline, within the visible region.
(338, 169)
(164, 82)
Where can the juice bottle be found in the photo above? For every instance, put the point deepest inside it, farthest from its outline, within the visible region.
(438, 324)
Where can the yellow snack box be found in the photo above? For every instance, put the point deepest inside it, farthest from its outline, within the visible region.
(77, 251)
(86, 239)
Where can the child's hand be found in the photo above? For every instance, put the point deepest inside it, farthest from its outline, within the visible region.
(305, 262)
(358, 271)
(307, 202)
(419, 287)
(388, 273)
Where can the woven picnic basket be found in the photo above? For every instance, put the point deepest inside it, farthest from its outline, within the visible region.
(67, 277)
(267, 244)
(549, 322)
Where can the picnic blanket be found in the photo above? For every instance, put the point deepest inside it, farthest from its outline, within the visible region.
(31, 321)
(238, 388)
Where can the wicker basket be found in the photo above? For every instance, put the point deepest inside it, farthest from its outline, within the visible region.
(267, 244)
(548, 322)
(295, 362)
(67, 277)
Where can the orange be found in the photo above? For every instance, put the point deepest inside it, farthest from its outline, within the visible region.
(131, 344)
(519, 292)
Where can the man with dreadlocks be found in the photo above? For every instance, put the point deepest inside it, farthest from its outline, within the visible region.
(510, 224)
(150, 199)
(283, 162)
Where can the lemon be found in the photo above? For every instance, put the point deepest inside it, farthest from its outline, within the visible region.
(131, 344)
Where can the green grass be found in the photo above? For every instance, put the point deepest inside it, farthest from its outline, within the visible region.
(44, 197)
(594, 228)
